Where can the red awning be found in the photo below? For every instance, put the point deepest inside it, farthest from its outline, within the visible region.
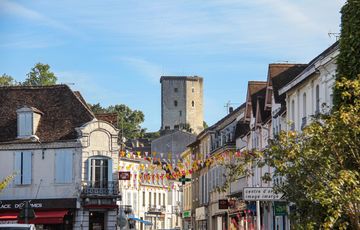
(42, 217)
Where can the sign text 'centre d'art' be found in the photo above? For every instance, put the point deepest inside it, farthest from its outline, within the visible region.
(261, 193)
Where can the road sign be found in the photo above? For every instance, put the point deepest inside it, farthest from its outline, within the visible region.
(261, 194)
(280, 208)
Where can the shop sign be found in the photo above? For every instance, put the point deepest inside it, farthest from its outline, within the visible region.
(186, 214)
(38, 204)
(223, 204)
(200, 213)
(280, 208)
(261, 193)
(124, 175)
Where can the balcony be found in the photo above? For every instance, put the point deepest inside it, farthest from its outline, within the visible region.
(156, 208)
(100, 188)
(229, 145)
(127, 209)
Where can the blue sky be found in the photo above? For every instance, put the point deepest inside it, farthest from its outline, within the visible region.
(115, 51)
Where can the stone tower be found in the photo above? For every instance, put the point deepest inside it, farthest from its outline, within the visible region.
(181, 103)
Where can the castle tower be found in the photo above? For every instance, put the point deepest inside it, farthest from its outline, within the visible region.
(181, 103)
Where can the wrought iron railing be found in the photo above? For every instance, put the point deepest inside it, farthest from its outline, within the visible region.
(156, 208)
(100, 187)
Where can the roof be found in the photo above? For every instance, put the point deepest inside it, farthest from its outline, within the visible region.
(258, 103)
(310, 69)
(253, 88)
(228, 118)
(242, 128)
(111, 118)
(62, 111)
(183, 78)
(282, 78)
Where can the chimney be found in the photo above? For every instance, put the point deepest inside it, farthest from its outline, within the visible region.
(231, 109)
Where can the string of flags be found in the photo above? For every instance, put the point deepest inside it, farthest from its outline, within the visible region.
(159, 169)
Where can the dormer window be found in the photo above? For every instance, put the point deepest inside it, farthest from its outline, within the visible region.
(27, 121)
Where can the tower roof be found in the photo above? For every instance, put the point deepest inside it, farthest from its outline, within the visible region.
(182, 78)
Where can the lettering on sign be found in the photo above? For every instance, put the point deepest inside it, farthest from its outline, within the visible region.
(124, 175)
(262, 194)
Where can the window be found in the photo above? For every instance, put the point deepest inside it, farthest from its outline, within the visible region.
(317, 99)
(192, 89)
(128, 198)
(164, 199)
(180, 113)
(135, 201)
(149, 198)
(143, 199)
(23, 167)
(304, 105)
(63, 166)
(175, 103)
(159, 198)
(25, 124)
(154, 198)
(175, 90)
(293, 111)
(99, 171)
(192, 103)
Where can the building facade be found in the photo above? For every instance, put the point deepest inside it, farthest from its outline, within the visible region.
(182, 103)
(64, 159)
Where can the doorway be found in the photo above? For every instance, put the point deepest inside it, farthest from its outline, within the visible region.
(96, 220)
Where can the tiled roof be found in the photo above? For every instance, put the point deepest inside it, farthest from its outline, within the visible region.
(283, 78)
(111, 118)
(242, 128)
(259, 98)
(253, 88)
(62, 111)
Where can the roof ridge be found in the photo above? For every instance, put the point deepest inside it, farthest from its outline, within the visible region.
(33, 86)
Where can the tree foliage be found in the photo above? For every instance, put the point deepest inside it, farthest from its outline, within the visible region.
(5, 182)
(129, 121)
(40, 74)
(348, 61)
(7, 80)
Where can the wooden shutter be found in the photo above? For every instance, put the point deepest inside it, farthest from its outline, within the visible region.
(110, 171)
(17, 168)
(68, 162)
(63, 166)
(27, 167)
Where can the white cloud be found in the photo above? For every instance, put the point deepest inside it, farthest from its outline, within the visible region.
(148, 69)
(13, 8)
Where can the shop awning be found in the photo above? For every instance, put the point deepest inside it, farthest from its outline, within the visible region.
(42, 217)
(140, 220)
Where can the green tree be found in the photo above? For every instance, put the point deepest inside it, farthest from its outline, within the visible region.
(129, 121)
(5, 182)
(7, 80)
(40, 74)
(348, 61)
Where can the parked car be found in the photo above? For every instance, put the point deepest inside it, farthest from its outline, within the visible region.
(17, 227)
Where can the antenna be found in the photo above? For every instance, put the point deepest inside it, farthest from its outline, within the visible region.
(336, 35)
(229, 107)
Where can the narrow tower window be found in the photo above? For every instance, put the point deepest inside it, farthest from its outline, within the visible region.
(193, 103)
(175, 90)
(175, 103)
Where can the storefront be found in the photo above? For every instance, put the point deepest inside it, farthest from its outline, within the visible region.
(187, 220)
(51, 214)
(201, 218)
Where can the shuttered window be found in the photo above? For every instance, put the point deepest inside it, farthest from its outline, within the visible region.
(23, 167)
(63, 166)
(25, 124)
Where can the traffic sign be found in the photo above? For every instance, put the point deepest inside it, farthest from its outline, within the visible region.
(261, 194)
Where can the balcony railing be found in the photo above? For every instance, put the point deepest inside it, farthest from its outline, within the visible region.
(156, 208)
(105, 188)
(127, 209)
